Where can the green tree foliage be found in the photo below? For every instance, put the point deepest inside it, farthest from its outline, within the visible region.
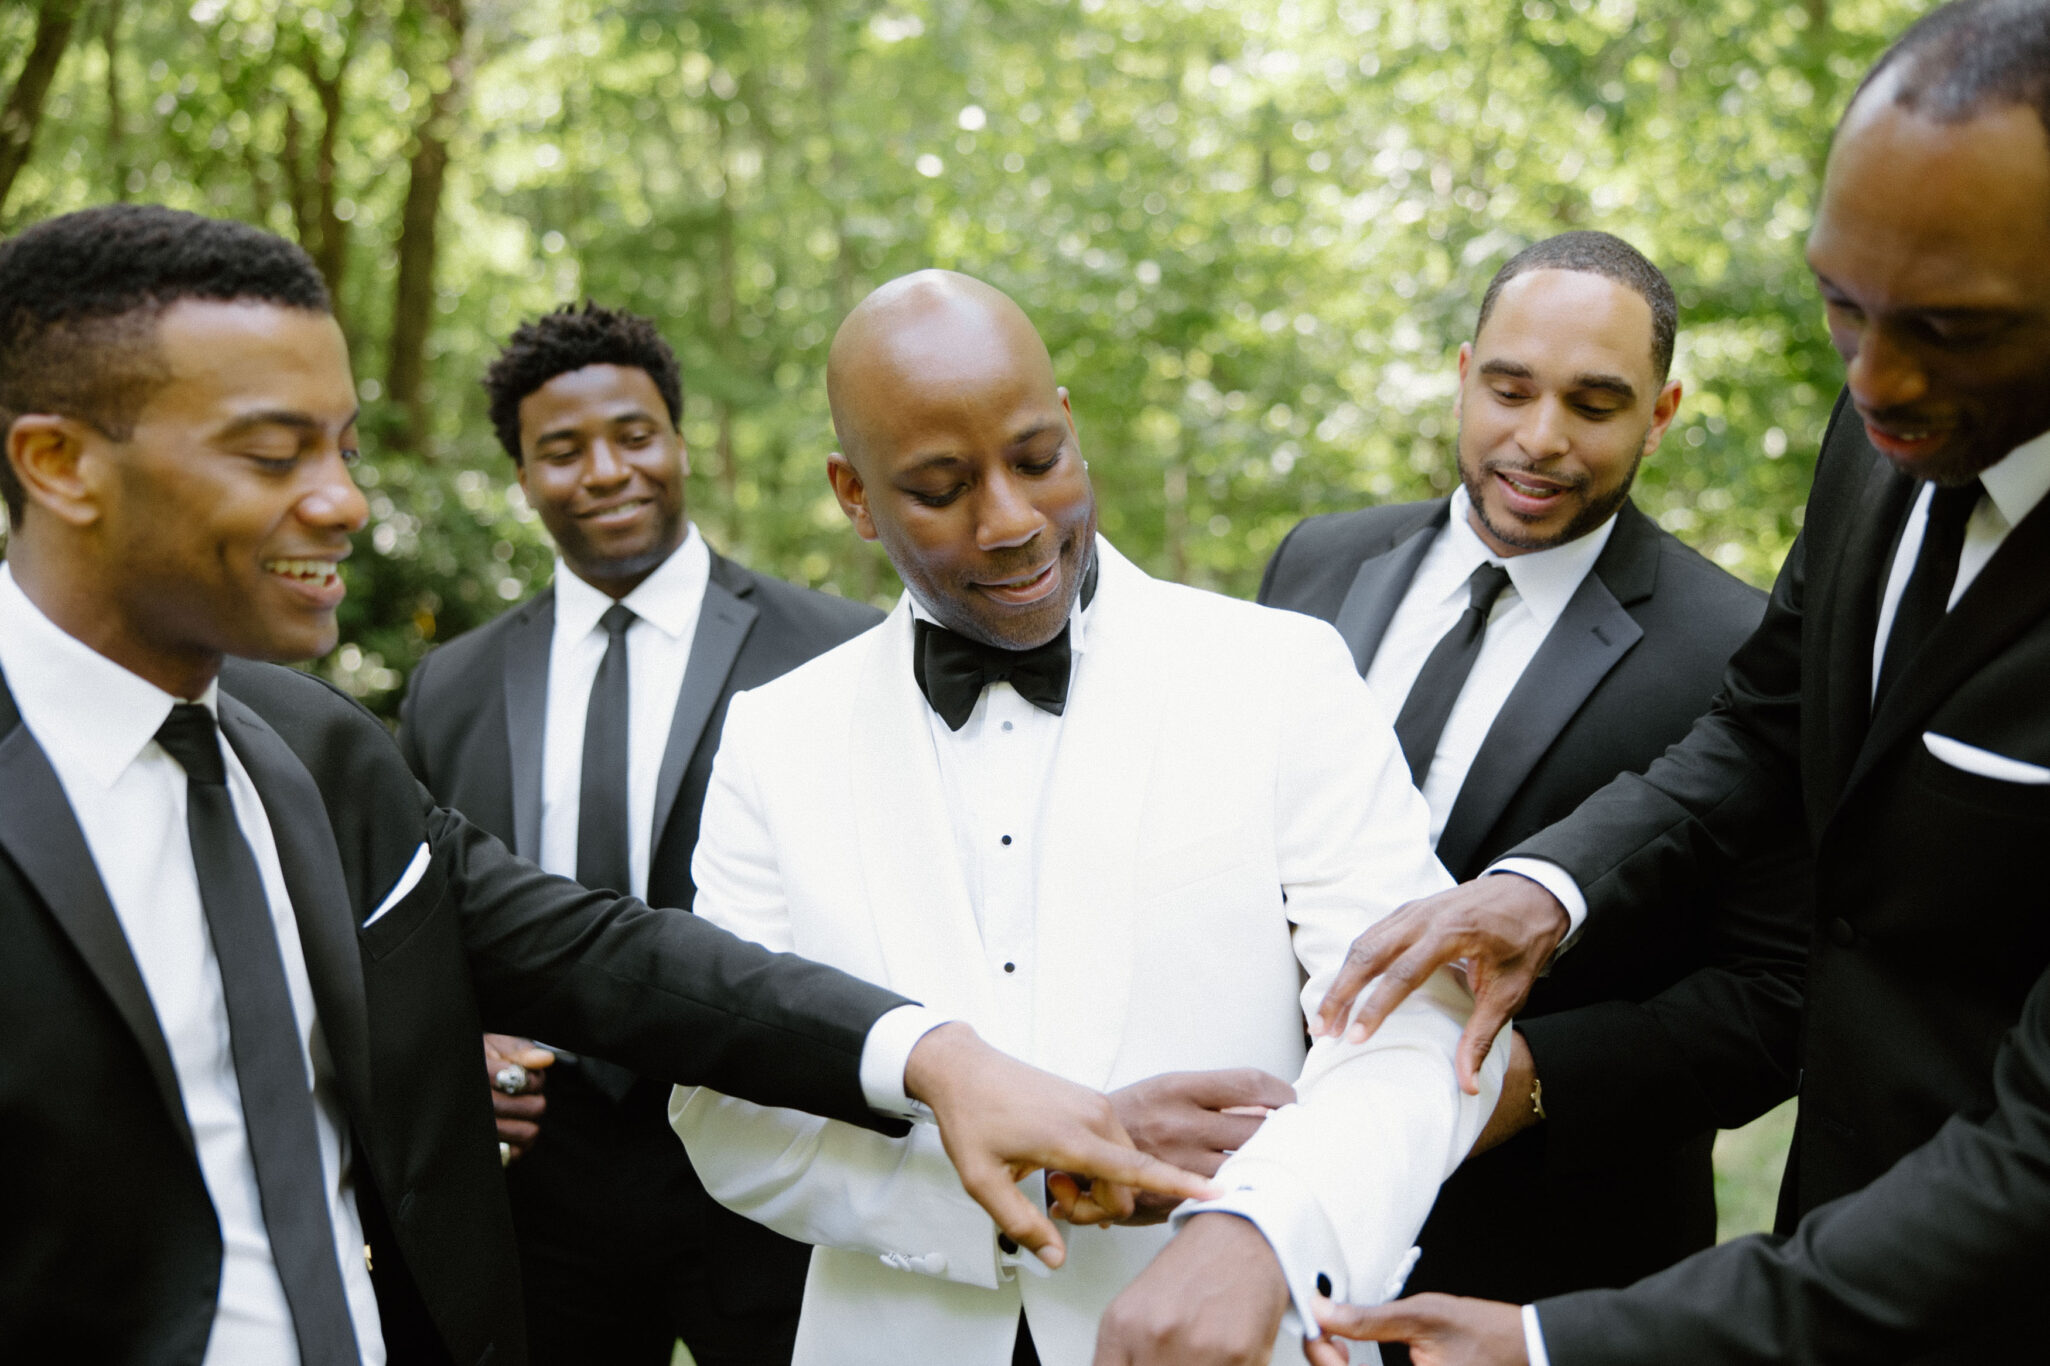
(1252, 233)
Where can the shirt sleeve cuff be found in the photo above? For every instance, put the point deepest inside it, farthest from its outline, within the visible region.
(887, 1052)
(1555, 880)
(1305, 1245)
(1534, 1338)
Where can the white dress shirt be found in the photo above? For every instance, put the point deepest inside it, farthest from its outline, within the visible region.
(2014, 486)
(96, 723)
(1541, 583)
(665, 607)
(996, 771)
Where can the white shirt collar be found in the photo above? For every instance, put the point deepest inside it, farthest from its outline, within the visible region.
(1546, 580)
(667, 599)
(77, 702)
(1078, 615)
(2020, 480)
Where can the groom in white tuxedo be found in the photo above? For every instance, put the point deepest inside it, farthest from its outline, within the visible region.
(1127, 830)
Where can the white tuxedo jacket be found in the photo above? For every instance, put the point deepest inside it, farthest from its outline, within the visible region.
(1228, 810)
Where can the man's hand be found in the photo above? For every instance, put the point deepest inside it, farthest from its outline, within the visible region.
(1514, 1111)
(518, 1109)
(1441, 1330)
(1000, 1118)
(1192, 1120)
(1213, 1297)
(1501, 927)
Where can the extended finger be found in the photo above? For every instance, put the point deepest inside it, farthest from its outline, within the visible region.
(1405, 975)
(1021, 1220)
(1368, 956)
(1106, 1160)
(1396, 1321)
(1490, 1014)
(1239, 1086)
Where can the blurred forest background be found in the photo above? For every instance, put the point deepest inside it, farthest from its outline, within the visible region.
(1252, 232)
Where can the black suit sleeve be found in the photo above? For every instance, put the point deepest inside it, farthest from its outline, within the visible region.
(1956, 1232)
(662, 991)
(1726, 797)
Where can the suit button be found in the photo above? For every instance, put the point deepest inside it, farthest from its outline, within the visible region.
(1841, 933)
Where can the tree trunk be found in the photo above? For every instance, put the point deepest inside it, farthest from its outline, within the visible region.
(23, 112)
(725, 317)
(314, 195)
(419, 241)
(117, 126)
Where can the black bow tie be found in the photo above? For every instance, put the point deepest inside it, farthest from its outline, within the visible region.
(952, 671)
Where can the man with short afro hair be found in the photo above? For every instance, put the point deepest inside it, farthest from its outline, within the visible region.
(622, 1252)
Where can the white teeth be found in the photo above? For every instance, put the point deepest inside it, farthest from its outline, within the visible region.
(305, 571)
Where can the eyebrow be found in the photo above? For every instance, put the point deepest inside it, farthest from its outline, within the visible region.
(616, 419)
(280, 417)
(1614, 384)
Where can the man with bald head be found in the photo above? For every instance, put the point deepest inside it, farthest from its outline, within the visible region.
(1117, 825)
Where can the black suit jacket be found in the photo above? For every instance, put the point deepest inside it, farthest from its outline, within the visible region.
(1929, 935)
(1638, 1023)
(111, 1247)
(610, 1178)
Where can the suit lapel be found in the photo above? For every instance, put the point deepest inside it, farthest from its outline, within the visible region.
(39, 832)
(526, 716)
(314, 879)
(2010, 595)
(1378, 587)
(916, 893)
(1846, 596)
(1590, 638)
(1086, 921)
(724, 620)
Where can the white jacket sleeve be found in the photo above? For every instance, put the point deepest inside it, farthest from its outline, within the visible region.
(1341, 1182)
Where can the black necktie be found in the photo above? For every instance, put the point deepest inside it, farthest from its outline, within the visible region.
(602, 830)
(1429, 704)
(952, 671)
(604, 861)
(1927, 595)
(263, 1036)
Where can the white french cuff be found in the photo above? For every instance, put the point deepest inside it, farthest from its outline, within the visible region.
(1534, 1338)
(1555, 880)
(1276, 1201)
(887, 1052)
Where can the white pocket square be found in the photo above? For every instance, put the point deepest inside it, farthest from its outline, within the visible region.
(1984, 762)
(408, 880)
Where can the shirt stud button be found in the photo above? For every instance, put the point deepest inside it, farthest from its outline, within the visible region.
(1010, 967)
(1007, 725)
(1007, 839)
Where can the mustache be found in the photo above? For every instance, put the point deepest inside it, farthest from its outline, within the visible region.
(1572, 483)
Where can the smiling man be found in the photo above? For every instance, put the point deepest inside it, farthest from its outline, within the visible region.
(1117, 824)
(1535, 635)
(244, 959)
(579, 728)
(1891, 715)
